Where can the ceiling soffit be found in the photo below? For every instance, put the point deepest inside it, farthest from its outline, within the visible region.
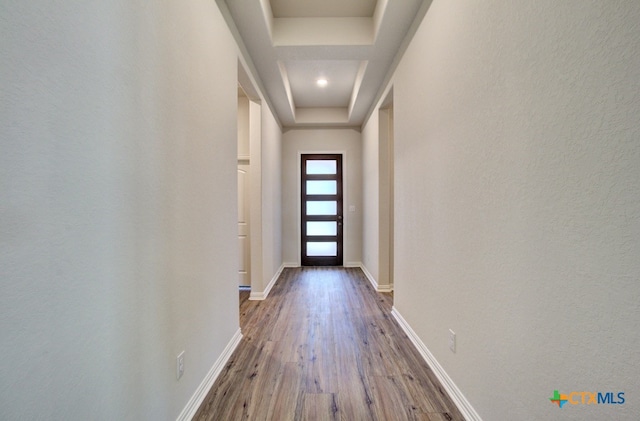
(324, 8)
(351, 44)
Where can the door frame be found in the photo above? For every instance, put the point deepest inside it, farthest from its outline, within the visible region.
(345, 200)
(338, 217)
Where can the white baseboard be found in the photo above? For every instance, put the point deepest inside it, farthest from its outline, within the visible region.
(369, 276)
(194, 403)
(257, 295)
(385, 288)
(372, 280)
(464, 406)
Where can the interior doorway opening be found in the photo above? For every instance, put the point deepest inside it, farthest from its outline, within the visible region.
(249, 181)
(386, 193)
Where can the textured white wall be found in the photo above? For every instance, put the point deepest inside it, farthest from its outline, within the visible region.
(385, 158)
(518, 201)
(271, 147)
(295, 142)
(370, 196)
(377, 232)
(118, 206)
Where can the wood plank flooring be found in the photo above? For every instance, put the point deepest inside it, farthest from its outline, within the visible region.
(324, 346)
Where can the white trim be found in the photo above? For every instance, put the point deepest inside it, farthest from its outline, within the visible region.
(454, 393)
(194, 403)
(369, 276)
(372, 280)
(258, 296)
(385, 288)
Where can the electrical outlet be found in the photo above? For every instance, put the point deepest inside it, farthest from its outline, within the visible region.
(180, 365)
(452, 341)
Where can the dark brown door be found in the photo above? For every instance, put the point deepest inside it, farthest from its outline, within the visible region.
(321, 199)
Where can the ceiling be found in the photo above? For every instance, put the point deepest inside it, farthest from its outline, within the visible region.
(353, 44)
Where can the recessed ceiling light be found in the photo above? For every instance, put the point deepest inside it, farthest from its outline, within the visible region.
(322, 82)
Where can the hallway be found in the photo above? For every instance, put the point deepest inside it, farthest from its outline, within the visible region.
(491, 180)
(324, 346)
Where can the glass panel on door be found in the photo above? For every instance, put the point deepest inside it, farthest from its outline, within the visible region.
(322, 207)
(324, 228)
(322, 187)
(321, 166)
(329, 249)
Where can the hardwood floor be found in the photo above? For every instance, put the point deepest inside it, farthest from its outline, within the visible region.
(324, 346)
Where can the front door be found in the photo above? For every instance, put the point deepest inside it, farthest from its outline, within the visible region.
(321, 200)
